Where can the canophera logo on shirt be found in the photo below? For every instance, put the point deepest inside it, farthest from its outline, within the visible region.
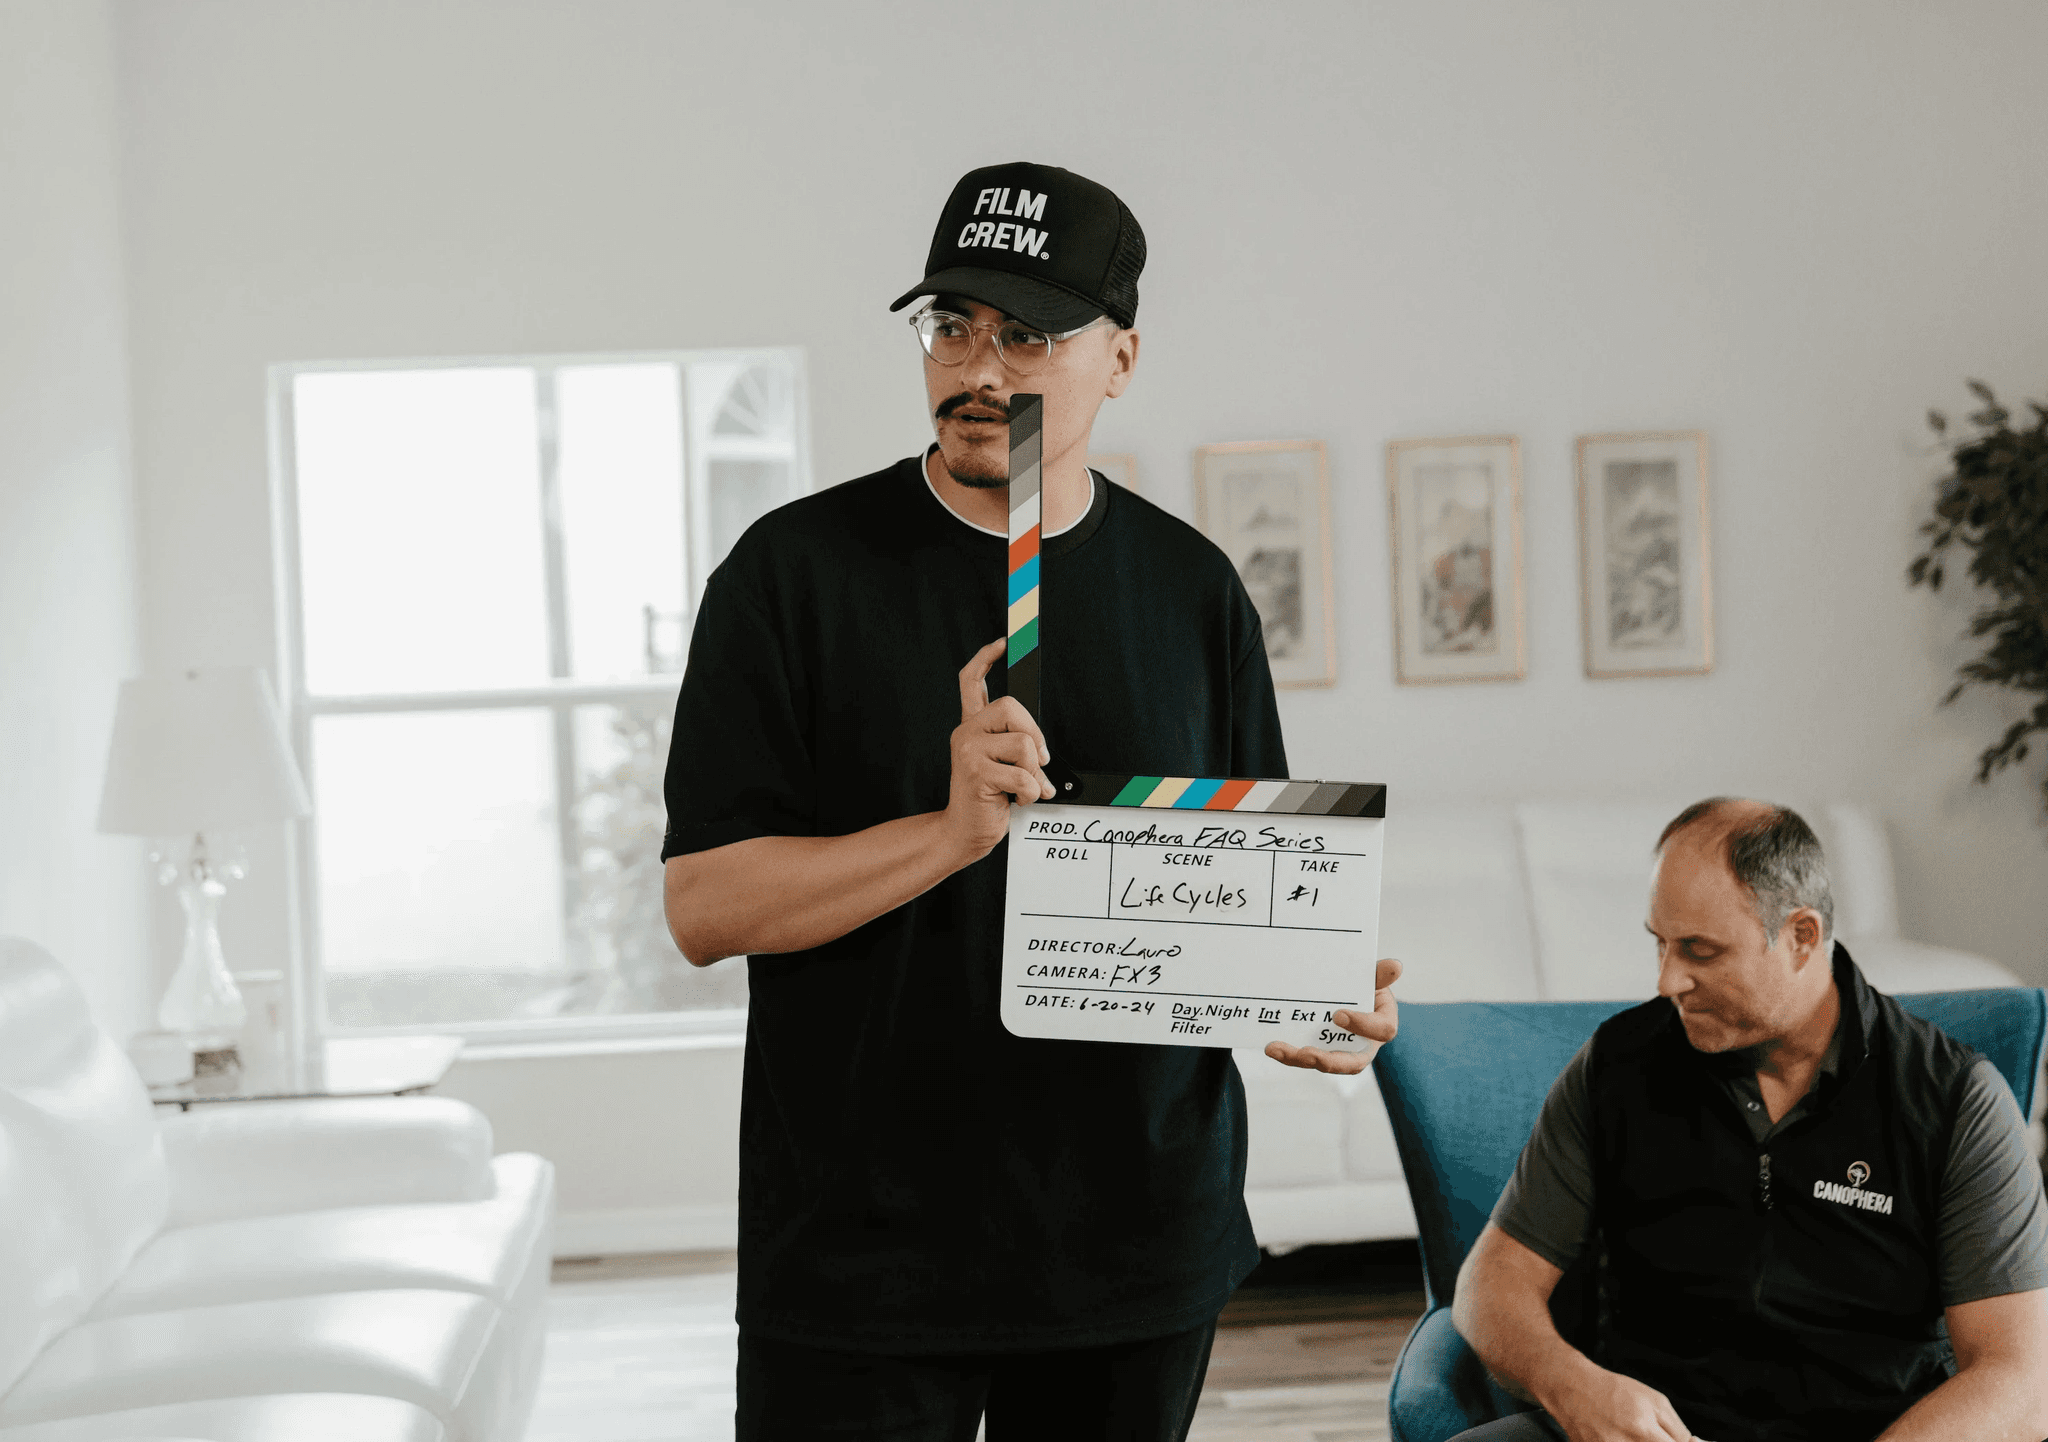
(1010, 234)
(1853, 1195)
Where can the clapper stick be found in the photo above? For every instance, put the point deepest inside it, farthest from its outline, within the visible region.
(1026, 517)
(1027, 513)
(1026, 662)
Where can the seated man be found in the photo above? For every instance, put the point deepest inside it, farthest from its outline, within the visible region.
(1792, 1182)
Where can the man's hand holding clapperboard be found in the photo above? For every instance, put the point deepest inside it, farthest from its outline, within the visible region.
(1172, 910)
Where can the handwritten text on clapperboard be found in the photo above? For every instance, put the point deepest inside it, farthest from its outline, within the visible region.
(1189, 928)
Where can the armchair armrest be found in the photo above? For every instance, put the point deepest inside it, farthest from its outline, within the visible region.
(1439, 1386)
(252, 1159)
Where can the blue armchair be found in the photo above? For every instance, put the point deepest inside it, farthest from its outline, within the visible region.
(1463, 1085)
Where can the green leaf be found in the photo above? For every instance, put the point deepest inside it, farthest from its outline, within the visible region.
(1994, 504)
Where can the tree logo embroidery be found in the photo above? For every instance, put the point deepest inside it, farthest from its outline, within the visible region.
(1853, 1195)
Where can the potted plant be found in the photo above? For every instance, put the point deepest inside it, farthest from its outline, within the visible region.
(1993, 503)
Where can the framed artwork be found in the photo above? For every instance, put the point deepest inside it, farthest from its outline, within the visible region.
(1645, 583)
(1123, 469)
(1267, 504)
(1455, 515)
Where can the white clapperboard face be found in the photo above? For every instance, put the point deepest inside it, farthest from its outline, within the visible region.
(1177, 910)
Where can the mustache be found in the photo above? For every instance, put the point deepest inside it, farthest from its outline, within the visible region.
(952, 405)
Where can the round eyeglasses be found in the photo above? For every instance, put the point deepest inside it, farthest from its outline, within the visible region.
(949, 339)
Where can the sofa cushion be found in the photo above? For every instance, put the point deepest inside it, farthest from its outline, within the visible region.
(1452, 905)
(418, 1346)
(1369, 1154)
(316, 1417)
(1297, 1123)
(1859, 868)
(1894, 965)
(82, 1169)
(479, 1247)
(253, 1160)
(1589, 872)
(38, 1280)
(1589, 888)
(1284, 1218)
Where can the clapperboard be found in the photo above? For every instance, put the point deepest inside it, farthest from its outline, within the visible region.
(1177, 910)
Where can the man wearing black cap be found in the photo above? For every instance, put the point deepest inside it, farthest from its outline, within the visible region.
(939, 1219)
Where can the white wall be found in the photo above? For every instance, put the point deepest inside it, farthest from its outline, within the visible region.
(67, 547)
(1794, 227)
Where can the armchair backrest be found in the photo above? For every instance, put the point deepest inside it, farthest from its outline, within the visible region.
(1464, 1081)
(2009, 1024)
(83, 1184)
(1462, 1084)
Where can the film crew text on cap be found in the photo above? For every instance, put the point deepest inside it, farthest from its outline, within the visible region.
(1041, 244)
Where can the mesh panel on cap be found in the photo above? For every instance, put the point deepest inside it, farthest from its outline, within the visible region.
(1120, 287)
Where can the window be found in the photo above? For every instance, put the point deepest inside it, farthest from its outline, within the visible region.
(490, 570)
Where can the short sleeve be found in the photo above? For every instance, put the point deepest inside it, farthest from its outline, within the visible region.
(740, 764)
(1547, 1205)
(1256, 748)
(1993, 1229)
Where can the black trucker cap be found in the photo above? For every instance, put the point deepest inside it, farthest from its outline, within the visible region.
(1045, 245)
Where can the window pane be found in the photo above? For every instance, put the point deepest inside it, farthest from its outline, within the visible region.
(758, 400)
(741, 493)
(619, 927)
(743, 416)
(621, 472)
(482, 527)
(440, 865)
(443, 894)
(419, 529)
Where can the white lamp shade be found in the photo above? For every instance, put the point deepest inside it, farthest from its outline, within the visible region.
(204, 751)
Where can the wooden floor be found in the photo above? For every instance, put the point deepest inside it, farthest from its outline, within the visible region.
(641, 1350)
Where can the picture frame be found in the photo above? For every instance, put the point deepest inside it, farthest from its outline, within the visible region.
(1267, 505)
(1119, 466)
(1454, 514)
(1645, 554)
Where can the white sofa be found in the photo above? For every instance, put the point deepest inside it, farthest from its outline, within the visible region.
(306, 1271)
(1536, 901)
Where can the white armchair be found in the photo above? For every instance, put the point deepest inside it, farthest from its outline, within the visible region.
(264, 1272)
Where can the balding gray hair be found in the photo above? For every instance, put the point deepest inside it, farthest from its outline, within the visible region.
(1774, 855)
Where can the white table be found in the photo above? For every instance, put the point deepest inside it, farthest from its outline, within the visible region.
(348, 1067)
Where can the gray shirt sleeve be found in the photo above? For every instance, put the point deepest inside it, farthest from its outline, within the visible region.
(1548, 1203)
(1993, 1229)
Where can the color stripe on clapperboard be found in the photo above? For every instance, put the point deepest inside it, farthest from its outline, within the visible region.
(1178, 793)
(1200, 793)
(1025, 515)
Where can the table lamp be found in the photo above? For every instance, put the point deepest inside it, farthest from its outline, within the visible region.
(191, 754)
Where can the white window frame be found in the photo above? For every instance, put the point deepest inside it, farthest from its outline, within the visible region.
(559, 697)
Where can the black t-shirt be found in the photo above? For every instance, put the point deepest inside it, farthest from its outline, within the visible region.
(913, 1178)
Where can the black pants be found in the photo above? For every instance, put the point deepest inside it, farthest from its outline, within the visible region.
(1130, 1392)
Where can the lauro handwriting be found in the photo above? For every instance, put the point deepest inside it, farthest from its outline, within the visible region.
(1131, 948)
